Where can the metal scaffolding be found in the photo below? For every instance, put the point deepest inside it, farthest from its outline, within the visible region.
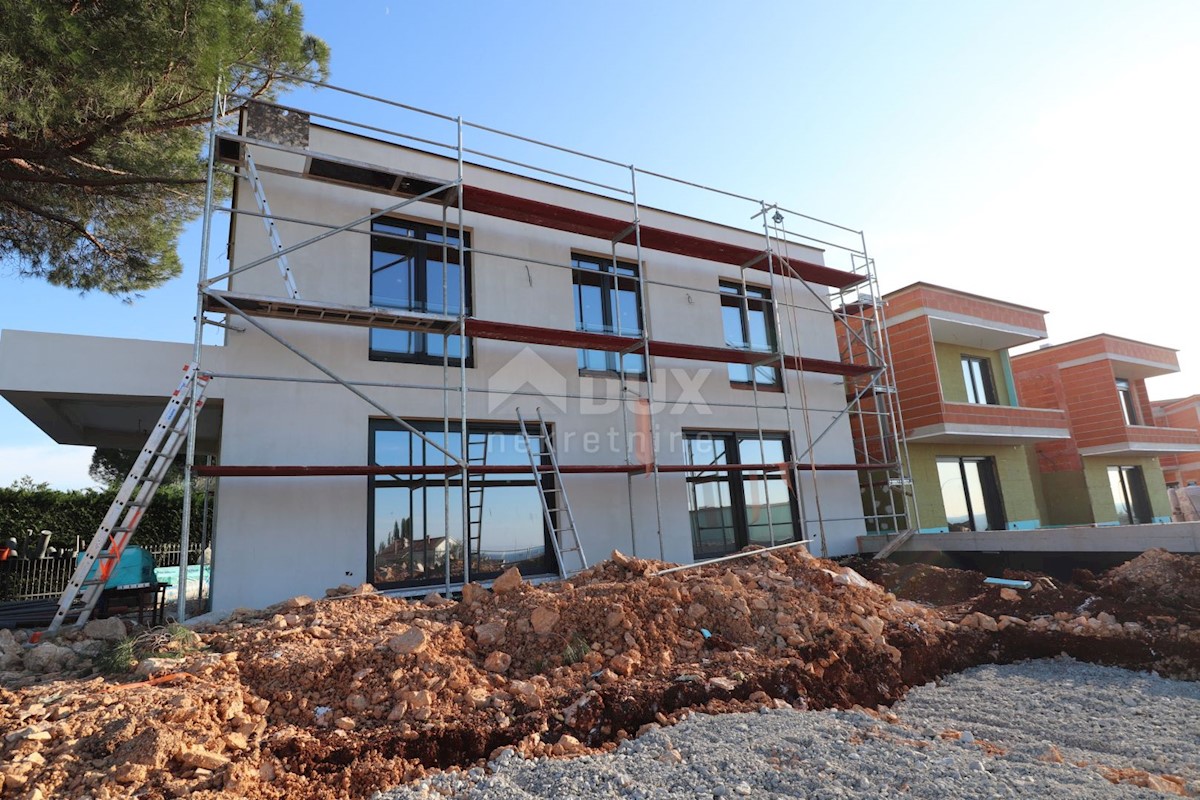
(870, 413)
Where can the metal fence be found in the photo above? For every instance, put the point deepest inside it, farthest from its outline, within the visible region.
(45, 578)
(35, 578)
(167, 555)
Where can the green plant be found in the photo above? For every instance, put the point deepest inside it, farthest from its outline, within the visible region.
(575, 650)
(77, 513)
(117, 658)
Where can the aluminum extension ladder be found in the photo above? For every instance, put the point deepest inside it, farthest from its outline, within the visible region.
(477, 448)
(134, 496)
(559, 519)
(260, 198)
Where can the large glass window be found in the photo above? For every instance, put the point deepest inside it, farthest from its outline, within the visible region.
(731, 509)
(1128, 487)
(608, 300)
(749, 325)
(411, 537)
(971, 494)
(1128, 403)
(977, 374)
(415, 268)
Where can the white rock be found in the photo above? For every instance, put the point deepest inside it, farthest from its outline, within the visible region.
(111, 629)
(48, 657)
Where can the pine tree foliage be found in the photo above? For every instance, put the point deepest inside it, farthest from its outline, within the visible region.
(102, 107)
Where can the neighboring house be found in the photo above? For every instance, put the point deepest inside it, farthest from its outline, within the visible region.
(1179, 469)
(318, 487)
(970, 438)
(1108, 472)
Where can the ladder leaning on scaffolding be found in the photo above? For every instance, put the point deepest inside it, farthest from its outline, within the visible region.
(104, 552)
(564, 537)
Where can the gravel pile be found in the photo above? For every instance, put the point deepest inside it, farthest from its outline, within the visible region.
(1052, 728)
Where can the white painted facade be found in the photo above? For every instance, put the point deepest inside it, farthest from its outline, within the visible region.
(276, 537)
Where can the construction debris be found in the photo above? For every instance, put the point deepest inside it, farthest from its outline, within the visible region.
(344, 696)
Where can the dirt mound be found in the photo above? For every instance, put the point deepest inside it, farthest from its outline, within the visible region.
(924, 583)
(340, 697)
(1156, 577)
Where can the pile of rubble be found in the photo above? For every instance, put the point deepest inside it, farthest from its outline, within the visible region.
(345, 695)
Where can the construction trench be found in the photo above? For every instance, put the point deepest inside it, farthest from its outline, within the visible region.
(356, 693)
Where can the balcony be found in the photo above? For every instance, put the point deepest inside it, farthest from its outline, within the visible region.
(1143, 440)
(976, 423)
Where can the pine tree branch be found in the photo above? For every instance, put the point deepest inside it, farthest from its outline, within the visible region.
(74, 225)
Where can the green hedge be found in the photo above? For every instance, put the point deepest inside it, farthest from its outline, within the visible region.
(79, 513)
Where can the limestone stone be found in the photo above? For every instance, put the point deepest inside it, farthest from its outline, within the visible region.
(413, 640)
(48, 657)
(473, 593)
(543, 620)
(489, 633)
(201, 758)
(111, 629)
(157, 666)
(508, 581)
(497, 661)
(567, 744)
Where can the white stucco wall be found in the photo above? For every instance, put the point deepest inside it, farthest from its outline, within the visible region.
(312, 532)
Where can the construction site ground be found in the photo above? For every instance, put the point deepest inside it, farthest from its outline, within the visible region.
(348, 695)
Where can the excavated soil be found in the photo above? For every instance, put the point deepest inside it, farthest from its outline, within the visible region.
(344, 696)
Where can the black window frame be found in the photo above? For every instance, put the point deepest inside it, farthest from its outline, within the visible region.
(737, 490)
(989, 481)
(419, 248)
(757, 298)
(1128, 400)
(1132, 480)
(979, 367)
(549, 561)
(609, 276)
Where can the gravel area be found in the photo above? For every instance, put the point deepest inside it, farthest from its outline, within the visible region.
(992, 731)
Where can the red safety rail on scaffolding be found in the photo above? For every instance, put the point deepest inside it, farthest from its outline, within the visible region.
(294, 471)
(547, 215)
(532, 334)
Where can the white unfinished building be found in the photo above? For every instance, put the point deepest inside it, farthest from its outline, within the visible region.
(414, 295)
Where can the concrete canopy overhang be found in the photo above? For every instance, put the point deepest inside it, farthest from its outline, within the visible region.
(1139, 449)
(958, 433)
(978, 332)
(99, 391)
(119, 421)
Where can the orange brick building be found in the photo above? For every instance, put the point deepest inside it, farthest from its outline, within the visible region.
(970, 433)
(1179, 469)
(1108, 471)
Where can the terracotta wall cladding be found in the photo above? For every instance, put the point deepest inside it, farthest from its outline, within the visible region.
(930, 297)
(916, 372)
(1104, 345)
(974, 414)
(1185, 414)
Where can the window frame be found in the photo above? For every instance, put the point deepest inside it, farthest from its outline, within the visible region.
(732, 441)
(1132, 481)
(420, 249)
(756, 298)
(549, 561)
(989, 482)
(1128, 401)
(608, 277)
(979, 367)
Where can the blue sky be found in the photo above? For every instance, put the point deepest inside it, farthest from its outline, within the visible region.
(1043, 153)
